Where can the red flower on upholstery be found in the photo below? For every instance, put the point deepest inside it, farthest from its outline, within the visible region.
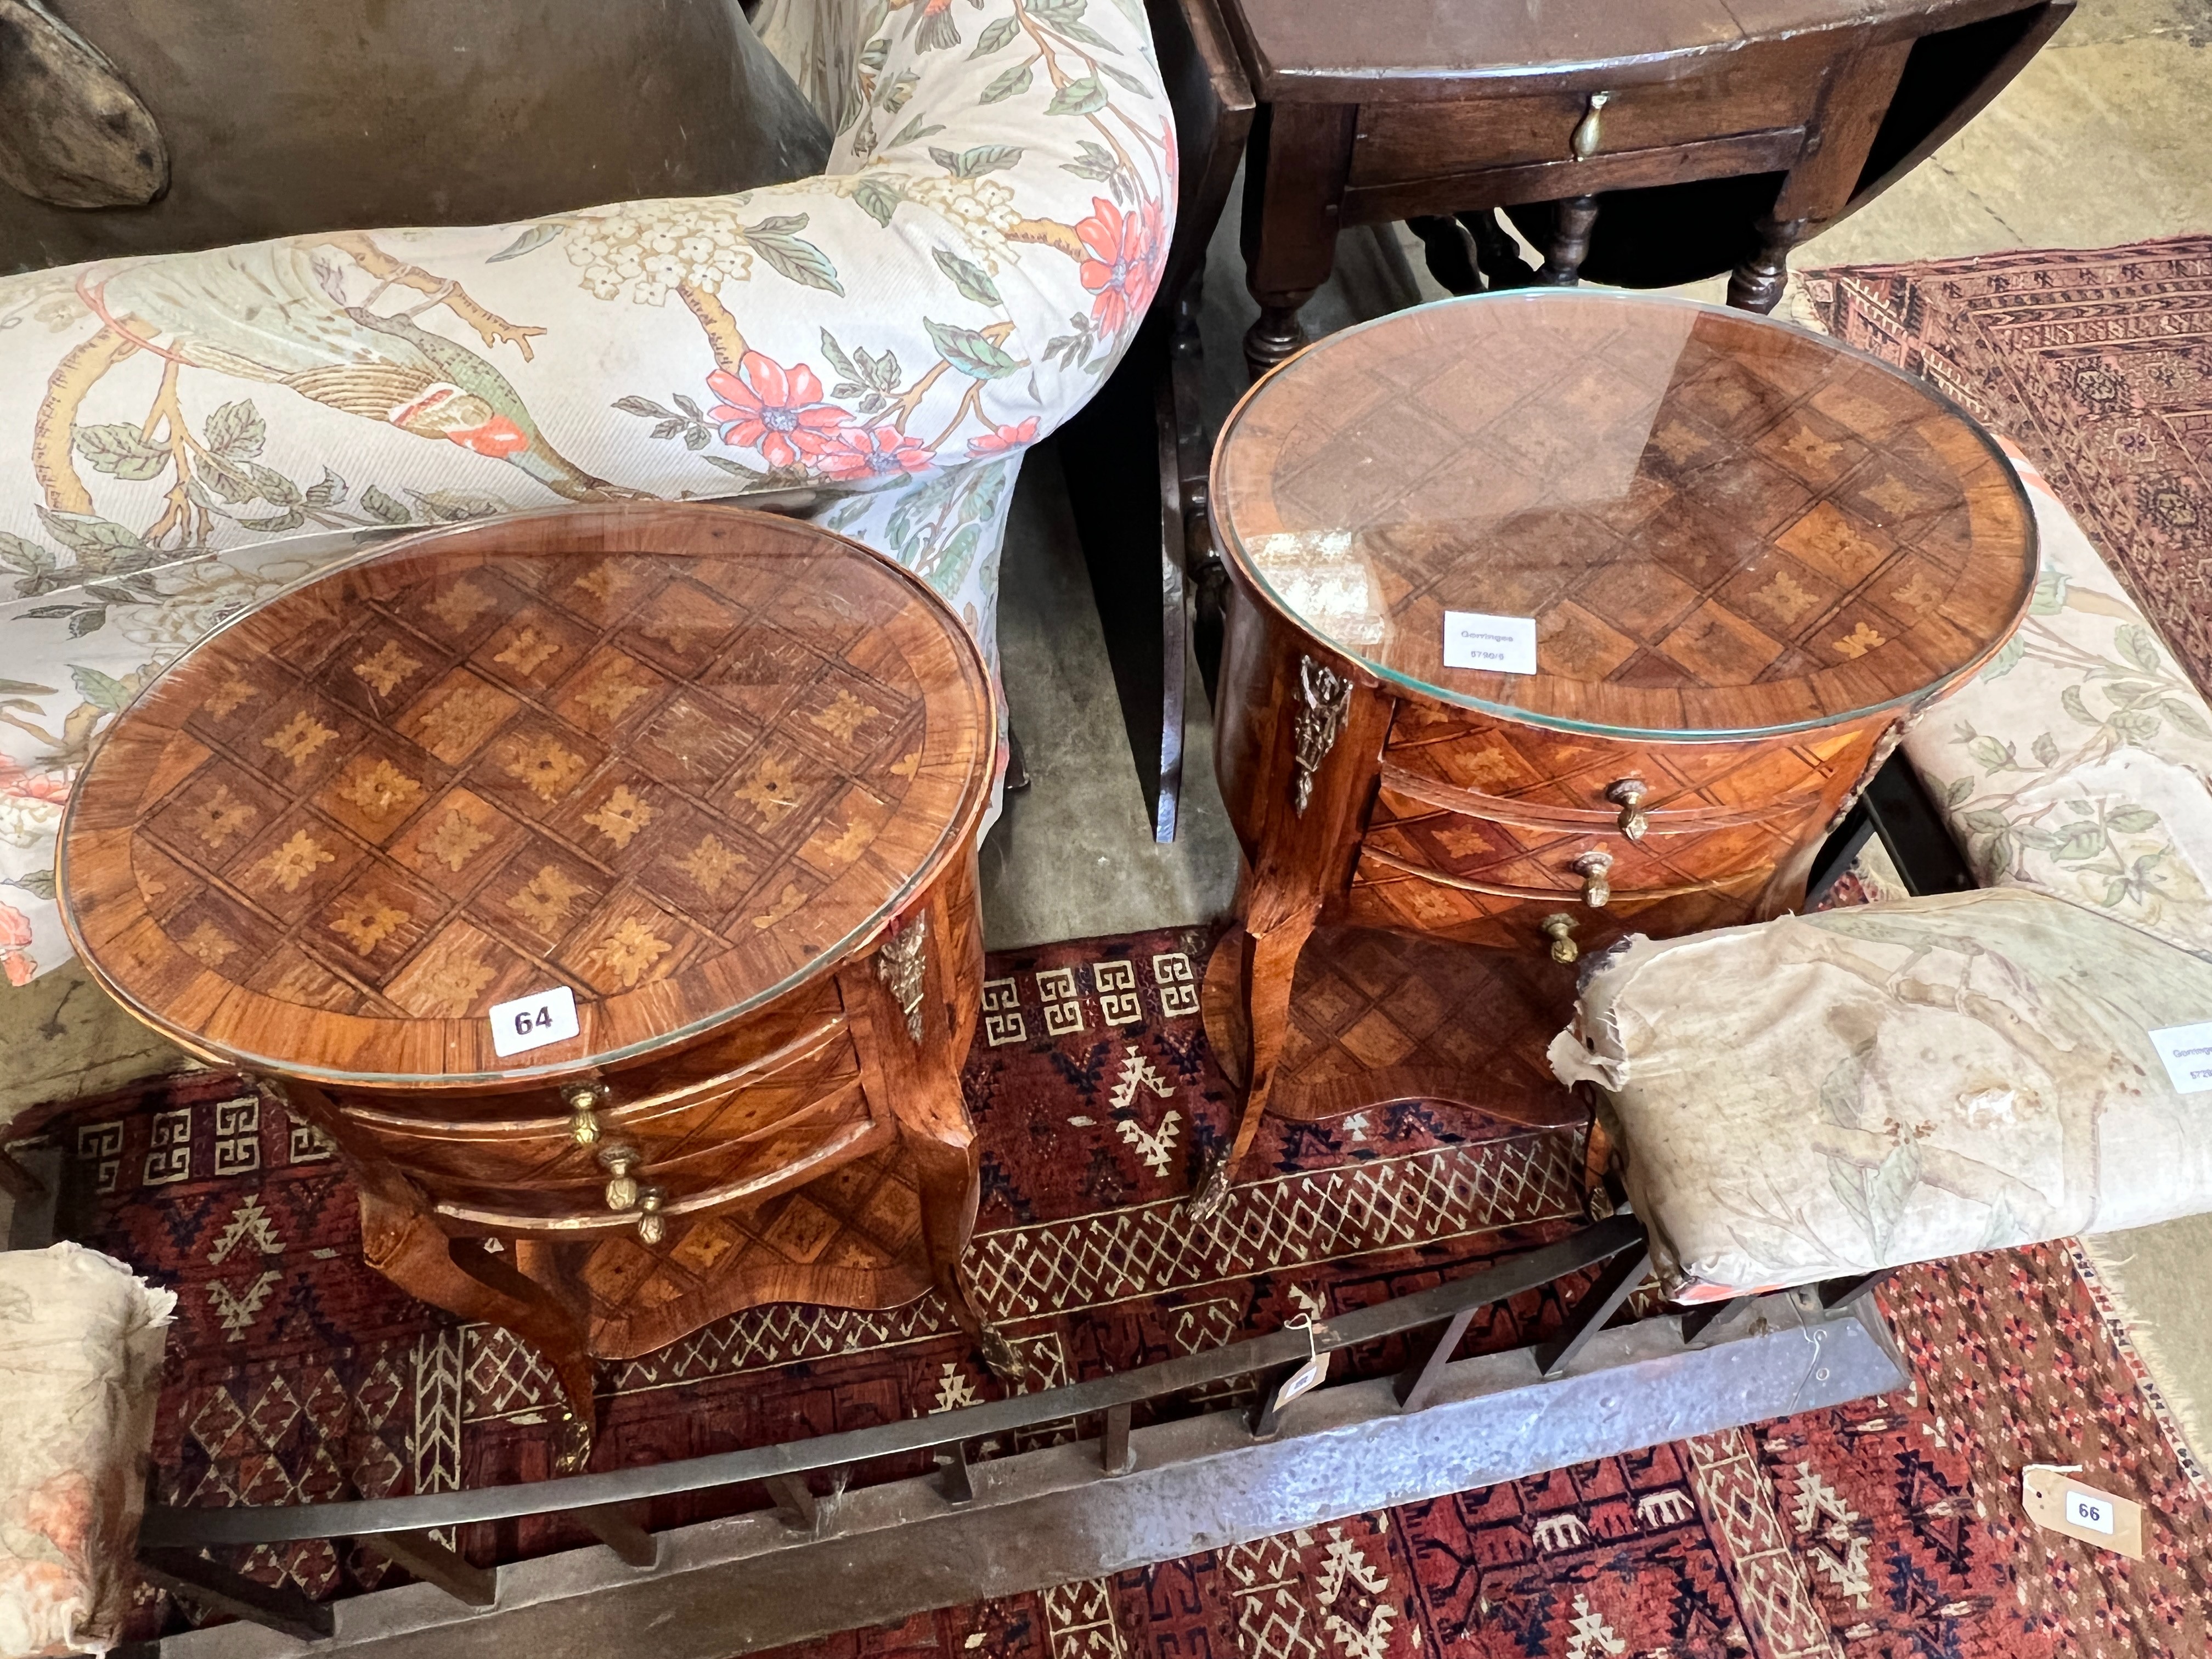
(777, 411)
(1020, 436)
(497, 437)
(873, 451)
(1120, 270)
(14, 934)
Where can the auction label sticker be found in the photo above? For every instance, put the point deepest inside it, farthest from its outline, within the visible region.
(1504, 645)
(2187, 1052)
(533, 1021)
(2059, 1500)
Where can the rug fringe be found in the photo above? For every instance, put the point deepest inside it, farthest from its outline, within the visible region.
(2173, 1410)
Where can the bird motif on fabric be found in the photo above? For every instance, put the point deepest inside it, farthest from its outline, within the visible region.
(276, 313)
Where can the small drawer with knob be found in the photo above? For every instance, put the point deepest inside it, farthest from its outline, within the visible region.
(1765, 89)
(1614, 845)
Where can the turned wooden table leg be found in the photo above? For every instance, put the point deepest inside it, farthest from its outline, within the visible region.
(400, 1237)
(1571, 222)
(1294, 174)
(1819, 186)
(1757, 283)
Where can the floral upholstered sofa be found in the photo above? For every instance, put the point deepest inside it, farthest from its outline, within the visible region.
(182, 436)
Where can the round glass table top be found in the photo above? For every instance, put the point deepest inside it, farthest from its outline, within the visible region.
(663, 763)
(1646, 515)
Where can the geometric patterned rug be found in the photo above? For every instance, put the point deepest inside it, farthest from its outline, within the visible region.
(1888, 1526)
(2099, 365)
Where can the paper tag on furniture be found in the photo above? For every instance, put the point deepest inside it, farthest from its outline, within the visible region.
(1504, 645)
(2187, 1052)
(533, 1021)
(2062, 1501)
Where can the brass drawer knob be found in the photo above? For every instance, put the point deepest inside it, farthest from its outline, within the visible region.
(1560, 930)
(1584, 141)
(622, 1186)
(584, 1101)
(1592, 866)
(1628, 795)
(652, 1225)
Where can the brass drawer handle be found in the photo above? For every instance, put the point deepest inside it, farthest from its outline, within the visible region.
(1584, 143)
(1628, 795)
(652, 1226)
(1592, 866)
(618, 1161)
(1561, 929)
(585, 1102)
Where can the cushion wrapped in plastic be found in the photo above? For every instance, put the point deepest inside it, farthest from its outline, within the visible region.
(1820, 1096)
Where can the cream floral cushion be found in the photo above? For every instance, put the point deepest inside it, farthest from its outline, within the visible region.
(1823, 1095)
(182, 436)
(2078, 761)
(80, 1374)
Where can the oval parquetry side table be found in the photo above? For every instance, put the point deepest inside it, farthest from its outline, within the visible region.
(1723, 564)
(713, 776)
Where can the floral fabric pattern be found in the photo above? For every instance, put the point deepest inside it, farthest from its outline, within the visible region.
(2080, 760)
(1968, 1072)
(181, 436)
(81, 1340)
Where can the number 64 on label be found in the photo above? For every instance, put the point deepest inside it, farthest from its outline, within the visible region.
(533, 1021)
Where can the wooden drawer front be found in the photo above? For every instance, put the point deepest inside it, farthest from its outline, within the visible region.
(1537, 768)
(1533, 855)
(1383, 895)
(1396, 142)
(834, 1131)
(689, 1139)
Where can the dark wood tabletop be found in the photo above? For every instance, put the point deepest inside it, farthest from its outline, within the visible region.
(678, 760)
(1331, 51)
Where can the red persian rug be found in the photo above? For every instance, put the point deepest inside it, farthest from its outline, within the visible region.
(1888, 1527)
(2098, 364)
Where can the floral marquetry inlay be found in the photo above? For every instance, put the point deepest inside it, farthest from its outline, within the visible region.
(1715, 522)
(499, 760)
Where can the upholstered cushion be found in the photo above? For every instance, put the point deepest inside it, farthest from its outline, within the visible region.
(2078, 761)
(181, 435)
(1827, 1095)
(80, 1373)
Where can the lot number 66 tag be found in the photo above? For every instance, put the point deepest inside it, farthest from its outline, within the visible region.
(533, 1021)
(2086, 1510)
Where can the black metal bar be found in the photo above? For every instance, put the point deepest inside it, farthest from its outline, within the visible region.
(1113, 1453)
(1698, 1320)
(614, 1526)
(796, 1499)
(287, 1524)
(1837, 853)
(1432, 1351)
(434, 1564)
(1836, 1292)
(280, 1607)
(1266, 1417)
(954, 1481)
(1919, 842)
(18, 1183)
(1599, 1304)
